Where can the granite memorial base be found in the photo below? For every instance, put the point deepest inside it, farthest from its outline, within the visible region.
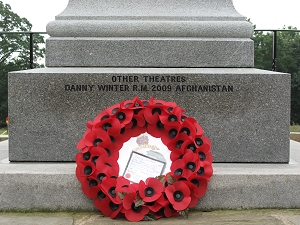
(54, 187)
(244, 111)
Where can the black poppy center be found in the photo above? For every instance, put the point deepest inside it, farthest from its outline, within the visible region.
(191, 147)
(128, 104)
(136, 209)
(170, 109)
(195, 182)
(160, 212)
(122, 130)
(202, 156)
(183, 118)
(101, 176)
(172, 133)
(88, 170)
(150, 203)
(199, 141)
(94, 159)
(172, 118)
(114, 110)
(86, 156)
(200, 172)
(113, 206)
(112, 192)
(191, 166)
(108, 152)
(113, 140)
(134, 122)
(93, 183)
(125, 186)
(121, 116)
(179, 143)
(178, 172)
(145, 103)
(185, 130)
(100, 195)
(159, 125)
(96, 142)
(149, 192)
(104, 117)
(178, 196)
(108, 164)
(156, 110)
(106, 126)
(136, 111)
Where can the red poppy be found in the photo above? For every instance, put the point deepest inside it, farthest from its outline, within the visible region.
(194, 201)
(97, 138)
(153, 206)
(123, 185)
(90, 186)
(179, 195)
(173, 115)
(188, 127)
(187, 166)
(134, 104)
(132, 212)
(177, 142)
(154, 110)
(106, 205)
(112, 110)
(156, 130)
(109, 188)
(123, 115)
(107, 165)
(111, 125)
(171, 132)
(205, 170)
(150, 190)
(84, 170)
(197, 185)
(137, 125)
(163, 200)
(203, 148)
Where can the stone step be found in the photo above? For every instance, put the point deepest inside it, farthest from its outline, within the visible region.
(53, 186)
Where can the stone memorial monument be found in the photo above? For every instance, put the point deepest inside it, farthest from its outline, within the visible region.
(197, 53)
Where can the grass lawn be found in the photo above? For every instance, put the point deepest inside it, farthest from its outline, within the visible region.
(295, 128)
(3, 131)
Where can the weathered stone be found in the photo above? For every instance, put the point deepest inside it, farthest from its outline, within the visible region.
(147, 33)
(245, 112)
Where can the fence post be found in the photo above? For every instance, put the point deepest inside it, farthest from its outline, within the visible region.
(31, 50)
(274, 50)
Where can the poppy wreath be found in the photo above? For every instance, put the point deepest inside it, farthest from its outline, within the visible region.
(167, 195)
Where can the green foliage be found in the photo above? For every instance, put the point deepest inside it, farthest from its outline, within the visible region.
(14, 51)
(288, 60)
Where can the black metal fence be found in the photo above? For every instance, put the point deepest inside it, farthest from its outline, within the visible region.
(31, 42)
(275, 32)
(274, 56)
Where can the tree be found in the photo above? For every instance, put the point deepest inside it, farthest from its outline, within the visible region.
(14, 51)
(288, 60)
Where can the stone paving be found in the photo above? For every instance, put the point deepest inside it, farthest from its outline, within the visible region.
(222, 217)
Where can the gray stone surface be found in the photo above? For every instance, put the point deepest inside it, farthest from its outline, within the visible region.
(145, 52)
(219, 217)
(53, 186)
(36, 220)
(167, 33)
(248, 124)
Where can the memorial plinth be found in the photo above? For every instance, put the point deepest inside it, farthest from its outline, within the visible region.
(147, 33)
(103, 52)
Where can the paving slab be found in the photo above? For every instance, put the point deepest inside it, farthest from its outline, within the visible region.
(218, 217)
